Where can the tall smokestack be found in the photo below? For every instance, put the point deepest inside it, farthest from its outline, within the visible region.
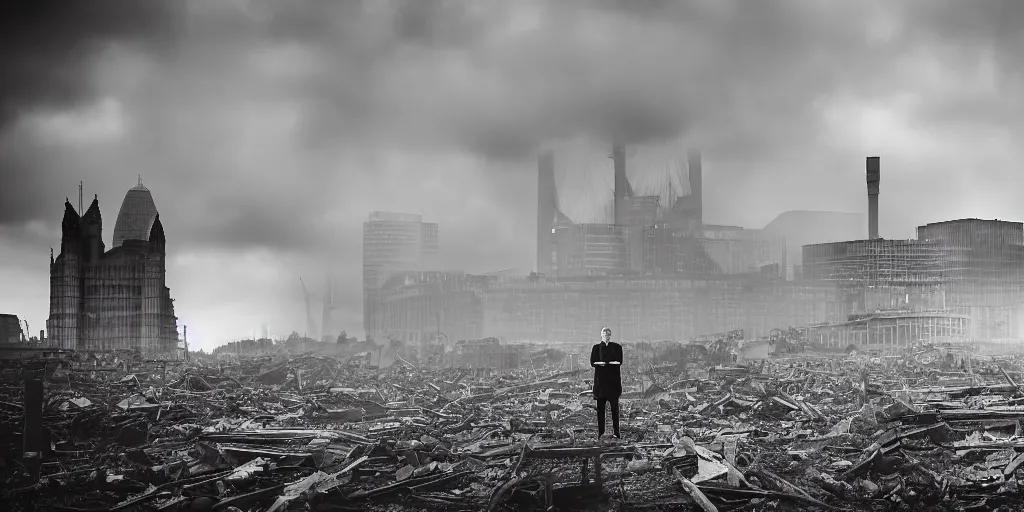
(621, 182)
(874, 176)
(696, 184)
(546, 200)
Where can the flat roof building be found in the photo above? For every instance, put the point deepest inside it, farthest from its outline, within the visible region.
(970, 267)
(393, 243)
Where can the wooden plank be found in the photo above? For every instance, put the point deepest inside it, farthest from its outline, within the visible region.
(694, 492)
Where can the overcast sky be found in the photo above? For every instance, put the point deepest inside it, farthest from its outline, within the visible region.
(268, 130)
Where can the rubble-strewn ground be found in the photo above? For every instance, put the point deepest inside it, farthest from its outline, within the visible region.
(314, 433)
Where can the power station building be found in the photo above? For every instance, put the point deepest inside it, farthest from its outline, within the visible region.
(117, 299)
(650, 230)
(646, 264)
(964, 278)
(649, 267)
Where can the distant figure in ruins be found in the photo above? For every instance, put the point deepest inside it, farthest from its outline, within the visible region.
(606, 358)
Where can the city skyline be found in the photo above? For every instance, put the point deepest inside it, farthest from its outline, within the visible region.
(268, 147)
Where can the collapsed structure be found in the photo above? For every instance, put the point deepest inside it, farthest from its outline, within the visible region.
(104, 300)
(10, 329)
(937, 428)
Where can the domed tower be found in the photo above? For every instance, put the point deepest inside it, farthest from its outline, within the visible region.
(136, 217)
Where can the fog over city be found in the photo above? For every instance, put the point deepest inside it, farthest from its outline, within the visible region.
(267, 131)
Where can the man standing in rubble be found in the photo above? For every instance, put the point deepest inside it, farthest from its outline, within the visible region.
(606, 358)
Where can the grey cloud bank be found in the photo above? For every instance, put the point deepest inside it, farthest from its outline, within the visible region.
(267, 130)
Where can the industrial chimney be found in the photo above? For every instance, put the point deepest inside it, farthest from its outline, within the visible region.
(874, 176)
(621, 183)
(696, 185)
(546, 200)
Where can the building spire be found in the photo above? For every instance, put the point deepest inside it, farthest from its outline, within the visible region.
(140, 180)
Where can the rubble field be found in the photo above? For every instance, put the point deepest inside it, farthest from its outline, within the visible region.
(320, 433)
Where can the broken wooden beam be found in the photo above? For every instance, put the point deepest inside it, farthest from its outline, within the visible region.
(694, 492)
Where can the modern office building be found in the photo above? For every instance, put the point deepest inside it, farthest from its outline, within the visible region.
(393, 243)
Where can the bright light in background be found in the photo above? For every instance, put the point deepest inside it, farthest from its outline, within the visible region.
(246, 287)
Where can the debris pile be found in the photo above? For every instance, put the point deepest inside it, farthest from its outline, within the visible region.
(316, 433)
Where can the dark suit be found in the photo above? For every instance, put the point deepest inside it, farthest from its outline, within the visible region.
(607, 382)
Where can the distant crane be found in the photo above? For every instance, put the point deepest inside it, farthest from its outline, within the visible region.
(327, 320)
(310, 325)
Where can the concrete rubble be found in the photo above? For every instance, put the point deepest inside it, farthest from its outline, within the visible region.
(319, 433)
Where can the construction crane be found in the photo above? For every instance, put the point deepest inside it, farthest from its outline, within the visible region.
(310, 326)
(327, 326)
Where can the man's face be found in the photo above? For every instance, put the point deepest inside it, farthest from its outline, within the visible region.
(606, 336)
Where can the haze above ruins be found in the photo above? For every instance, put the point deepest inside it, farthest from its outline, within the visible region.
(267, 133)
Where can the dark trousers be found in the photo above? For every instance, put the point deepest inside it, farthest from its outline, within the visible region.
(600, 415)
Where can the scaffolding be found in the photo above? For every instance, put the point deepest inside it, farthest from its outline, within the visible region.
(875, 263)
(983, 260)
(971, 266)
(112, 300)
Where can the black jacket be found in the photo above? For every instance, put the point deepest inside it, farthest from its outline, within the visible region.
(607, 381)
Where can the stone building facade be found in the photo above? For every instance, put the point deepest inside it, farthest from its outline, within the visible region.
(104, 300)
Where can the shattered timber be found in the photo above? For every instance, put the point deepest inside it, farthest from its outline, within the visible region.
(330, 433)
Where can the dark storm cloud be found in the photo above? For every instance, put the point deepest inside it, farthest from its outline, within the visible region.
(633, 71)
(489, 78)
(47, 52)
(48, 46)
(986, 36)
(271, 128)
